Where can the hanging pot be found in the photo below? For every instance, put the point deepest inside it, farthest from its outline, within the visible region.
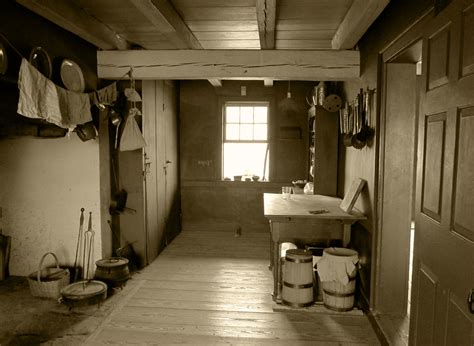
(118, 202)
(86, 131)
(348, 140)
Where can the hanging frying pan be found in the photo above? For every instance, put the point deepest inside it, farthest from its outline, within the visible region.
(3, 59)
(39, 58)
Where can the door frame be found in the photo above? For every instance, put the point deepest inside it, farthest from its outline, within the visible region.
(406, 39)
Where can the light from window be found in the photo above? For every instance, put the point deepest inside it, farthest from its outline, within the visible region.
(245, 147)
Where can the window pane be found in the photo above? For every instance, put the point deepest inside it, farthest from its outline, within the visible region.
(232, 132)
(232, 114)
(245, 159)
(246, 132)
(260, 132)
(260, 114)
(246, 115)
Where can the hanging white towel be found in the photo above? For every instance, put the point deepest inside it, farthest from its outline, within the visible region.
(337, 264)
(38, 95)
(40, 98)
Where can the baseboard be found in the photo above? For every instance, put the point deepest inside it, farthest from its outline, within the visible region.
(377, 328)
(225, 227)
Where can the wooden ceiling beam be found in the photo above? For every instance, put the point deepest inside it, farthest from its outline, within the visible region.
(358, 19)
(164, 17)
(266, 14)
(73, 18)
(231, 64)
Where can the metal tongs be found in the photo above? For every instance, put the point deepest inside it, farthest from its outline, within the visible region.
(89, 250)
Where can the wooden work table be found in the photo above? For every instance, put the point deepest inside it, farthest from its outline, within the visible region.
(291, 221)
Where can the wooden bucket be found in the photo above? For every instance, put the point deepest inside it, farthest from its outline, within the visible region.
(297, 290)
(337, 296)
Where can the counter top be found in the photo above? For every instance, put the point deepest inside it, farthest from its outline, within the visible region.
(299, 206)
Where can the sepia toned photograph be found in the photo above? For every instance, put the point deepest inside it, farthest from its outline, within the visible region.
(237, 172)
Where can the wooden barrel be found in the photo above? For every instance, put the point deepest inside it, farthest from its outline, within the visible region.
(337, 296)
(297, 290)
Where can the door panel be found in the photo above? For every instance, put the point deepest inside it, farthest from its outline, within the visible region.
(433, 165)
(444, 247)
(459, 329)
(438, 54)
(463, 222)
(467, 54)
(426, 303)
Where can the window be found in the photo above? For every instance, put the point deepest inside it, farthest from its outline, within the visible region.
(245, 147)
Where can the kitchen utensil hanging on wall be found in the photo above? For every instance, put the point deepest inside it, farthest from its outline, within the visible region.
(39, 58)
(71, 76)
(3, 59)
(116, 120)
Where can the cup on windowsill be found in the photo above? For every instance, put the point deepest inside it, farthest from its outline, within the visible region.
(286, 192)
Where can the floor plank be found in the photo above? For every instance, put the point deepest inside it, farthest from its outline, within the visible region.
(215, 288)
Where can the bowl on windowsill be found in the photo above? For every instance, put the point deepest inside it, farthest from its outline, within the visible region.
(299, 183)
(237, 178)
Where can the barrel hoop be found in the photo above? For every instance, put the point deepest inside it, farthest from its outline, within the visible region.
(297, 260)
(338, 309)
(287, 284)
(296, 305)
(334, 294)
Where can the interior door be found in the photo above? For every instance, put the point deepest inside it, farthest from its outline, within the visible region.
(444, 241)
(171, 161)
(154, 176)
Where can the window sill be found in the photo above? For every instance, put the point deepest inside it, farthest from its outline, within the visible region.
(230, 183)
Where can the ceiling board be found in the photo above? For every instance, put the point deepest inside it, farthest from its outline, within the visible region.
(315, 12)
(161, 45)
(222, 25)
(300, 24)
(217, 13)
(213, 3)
(303, 44)
(226, 35)
(231, 44)
(305, 35)
(300, 3)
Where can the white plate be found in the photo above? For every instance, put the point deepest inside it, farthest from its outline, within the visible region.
(72, 77)
(3, 59)
(39, 58)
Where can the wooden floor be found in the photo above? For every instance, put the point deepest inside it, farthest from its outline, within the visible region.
(213, 288)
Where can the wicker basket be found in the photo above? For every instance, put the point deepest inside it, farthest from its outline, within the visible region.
(48, 282)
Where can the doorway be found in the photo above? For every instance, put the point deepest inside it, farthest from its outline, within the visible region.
(397, 178)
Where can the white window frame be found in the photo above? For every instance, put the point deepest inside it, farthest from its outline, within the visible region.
(224, 127)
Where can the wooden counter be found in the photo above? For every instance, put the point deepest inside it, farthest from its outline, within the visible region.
(291, 221)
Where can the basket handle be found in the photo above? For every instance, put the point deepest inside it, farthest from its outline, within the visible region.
(41, 264)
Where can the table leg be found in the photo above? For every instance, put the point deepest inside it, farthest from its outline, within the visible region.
(276, 270)
(270, 267)
(346, 237)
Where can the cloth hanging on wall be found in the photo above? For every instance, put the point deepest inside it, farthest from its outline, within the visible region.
(40, 98)
(132, 137)
(105, 96)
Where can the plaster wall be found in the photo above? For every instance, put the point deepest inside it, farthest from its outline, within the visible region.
(45, 182)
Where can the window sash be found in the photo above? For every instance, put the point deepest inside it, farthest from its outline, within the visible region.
(253, 123)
